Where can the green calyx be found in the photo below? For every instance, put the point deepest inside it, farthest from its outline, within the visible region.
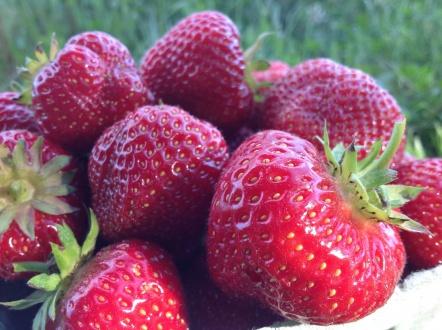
(55, 276)
(32, 66)
(253, 64)
(366, 184)
(27, 185)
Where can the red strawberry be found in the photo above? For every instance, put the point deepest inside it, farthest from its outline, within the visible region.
(210, 308)
(91, 83)
(424, 251)
(312, 243)
(37, 192)
(199, 65)
(320, 90)
(129, 285)
(133, 284)
(14, 115)
(275, 72)
(152, 175)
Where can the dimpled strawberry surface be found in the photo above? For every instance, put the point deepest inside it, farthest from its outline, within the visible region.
(199, 65)
(281, 232)
(320, 91)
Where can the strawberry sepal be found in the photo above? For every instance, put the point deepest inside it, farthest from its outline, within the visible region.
(365, 183)
(253, 64)
(50, 286)
(26, 74)
(27, 186)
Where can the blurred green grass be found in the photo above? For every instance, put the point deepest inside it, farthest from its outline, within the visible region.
(398, 42)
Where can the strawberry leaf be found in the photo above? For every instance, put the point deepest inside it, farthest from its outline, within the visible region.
(52, 205)
(32, 266)
(36, 297)
(377, 178)
(6, 217)
(374, 152)
(91, 238)
(55, 165)
(404, 222)
(45, 282)
(67, 256)
(349, 162)
(398, 195)
(39, 322)
(25, 219)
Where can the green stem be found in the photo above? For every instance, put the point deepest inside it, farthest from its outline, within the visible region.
(22, 191)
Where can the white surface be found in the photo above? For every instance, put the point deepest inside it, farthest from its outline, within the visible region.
(415, 305)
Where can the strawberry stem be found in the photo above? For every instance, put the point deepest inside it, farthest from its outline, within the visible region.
(253, 64)
(21, 191)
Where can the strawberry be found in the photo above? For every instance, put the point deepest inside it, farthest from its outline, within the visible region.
(210, 308)
(152, 176)
(275, 72)
(424, 251)
(199, 65)
(84, 88)
(37, 192)
(309, 238)
(128, 285)
(14, 115)
(320, 90)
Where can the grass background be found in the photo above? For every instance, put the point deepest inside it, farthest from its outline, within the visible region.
(398, 42)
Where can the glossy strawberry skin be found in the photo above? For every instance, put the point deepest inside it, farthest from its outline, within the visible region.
(92, 83)
(15, 246)
(129, 285)
(210, 308)
(152, 175)
(280, 232)
(199, 66)
(14, 115)
(319, 91)
(424, 251)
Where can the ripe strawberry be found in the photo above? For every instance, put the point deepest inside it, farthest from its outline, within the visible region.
(275, 72)
(84, 88)
(37, 191)
(152, 176)
(424, 251)
(129, 285)
(199, 65)
(320, 90)
(312, 243)
(210, 308)
(14, 115)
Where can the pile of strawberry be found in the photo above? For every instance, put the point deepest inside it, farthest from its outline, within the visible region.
(225, 192)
